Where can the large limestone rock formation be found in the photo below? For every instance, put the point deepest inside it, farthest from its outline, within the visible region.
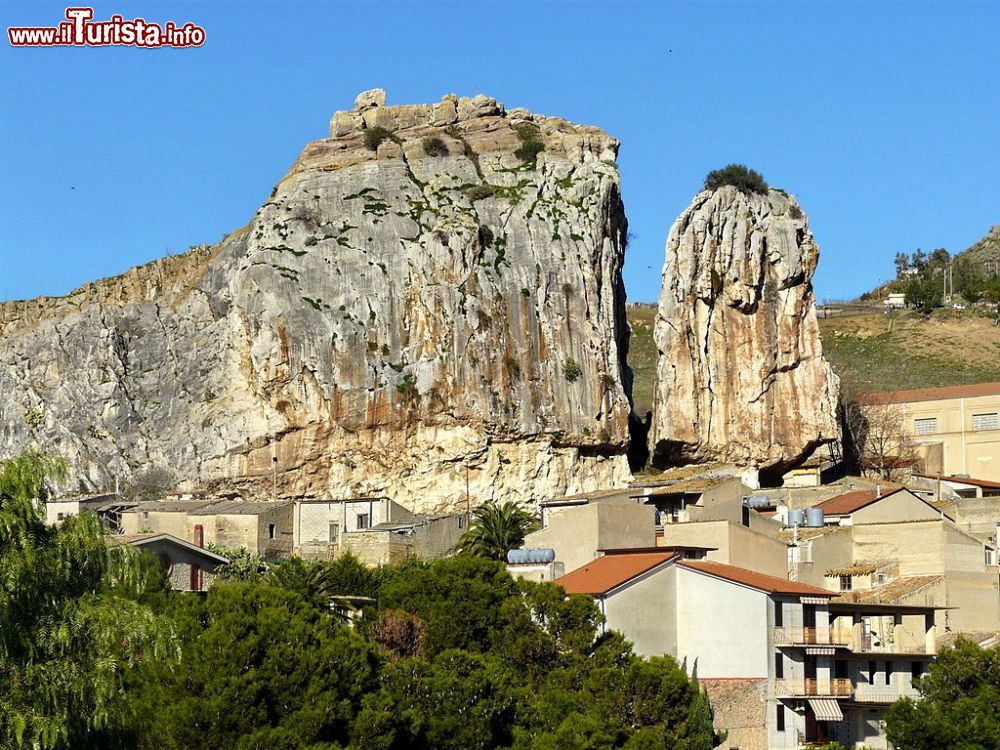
(413, 309)
(741, 378)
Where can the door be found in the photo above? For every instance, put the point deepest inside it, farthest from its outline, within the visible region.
(810, 672)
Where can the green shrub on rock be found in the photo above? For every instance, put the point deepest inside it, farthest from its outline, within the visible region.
(739, 176)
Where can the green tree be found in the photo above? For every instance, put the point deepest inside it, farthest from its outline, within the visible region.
(457, 701)
(739, 176)
(262, 668)
(902, 262)
(959, 706)
(497, 528)
(924, 294)
(70, 623)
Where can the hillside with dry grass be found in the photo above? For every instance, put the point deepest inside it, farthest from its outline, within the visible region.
(870, 352)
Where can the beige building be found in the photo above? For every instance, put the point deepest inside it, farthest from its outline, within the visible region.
(899, 548)
(188, 566)
(956, 429)
(376, 530)
(263, 529)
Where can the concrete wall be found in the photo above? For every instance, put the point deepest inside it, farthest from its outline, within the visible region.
(978, 516)
(722, 627)
(737, 545)
(645, 612)
(900, 506)
(822, 553)
(438, 537)
(740, 708)
(167, 522)
(577, 532)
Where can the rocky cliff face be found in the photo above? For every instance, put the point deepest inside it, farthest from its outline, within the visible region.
(415, 306)
(741, 377)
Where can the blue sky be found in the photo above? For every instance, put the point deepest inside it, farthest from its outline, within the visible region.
(882, 117)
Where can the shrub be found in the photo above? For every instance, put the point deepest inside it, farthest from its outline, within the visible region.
(374, 137)
(513, 366)
(571, 370)
(739, 176)
(485, 236)
(527, 131)
(478, 192)
(529, 150)
(434, 146)
(453, 131)
(795, 212)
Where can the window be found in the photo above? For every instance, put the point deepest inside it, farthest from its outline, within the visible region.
(461, 522)
(916, 669)
(926, 426)
(778, 615)
(779, 667)
(888, 673)
(845, 583)
(59, 516)
(985, 422)
(334, 533)
(780, 718)
(270, 531)
(363, 520)
(871, 673)
(145, 515)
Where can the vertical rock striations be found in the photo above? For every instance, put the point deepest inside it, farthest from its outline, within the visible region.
(431, 295)
(741, 377)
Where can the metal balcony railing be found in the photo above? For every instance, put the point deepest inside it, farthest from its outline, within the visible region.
(838, 687)
(811, 637)
(883, 693)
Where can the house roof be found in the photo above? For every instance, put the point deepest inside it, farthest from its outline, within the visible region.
(851, 502)
(693, 486)
(753, 579)
(238, 508)
(583, 498)
(933, 394)
(985, 483)
(889, 593)
(170, 506)
(858, 568)
(611, 571)
(140, 540)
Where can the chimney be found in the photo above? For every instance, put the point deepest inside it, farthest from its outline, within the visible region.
(199, 535)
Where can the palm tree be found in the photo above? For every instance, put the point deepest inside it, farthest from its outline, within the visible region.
(497, 528)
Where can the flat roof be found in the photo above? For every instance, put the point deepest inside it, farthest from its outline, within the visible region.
(962, 480)
(933, 394)
(239, 508)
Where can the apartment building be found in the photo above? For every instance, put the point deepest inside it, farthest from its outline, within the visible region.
(785, 663)
(956, 429)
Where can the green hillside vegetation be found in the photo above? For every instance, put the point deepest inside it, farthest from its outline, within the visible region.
(879, 352)
(642, 357)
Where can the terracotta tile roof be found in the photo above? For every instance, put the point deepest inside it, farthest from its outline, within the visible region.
(890, 593)
(933, 394)
(611, 571)
(850, 502)
(962, 480)
(858, 568)
(753, 579)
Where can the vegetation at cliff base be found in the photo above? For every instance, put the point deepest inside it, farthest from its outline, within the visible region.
(739, 176)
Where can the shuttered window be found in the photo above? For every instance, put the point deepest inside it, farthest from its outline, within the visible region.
(926, 426)
(985, 422)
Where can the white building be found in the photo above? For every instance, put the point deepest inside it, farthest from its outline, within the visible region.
(795, 666)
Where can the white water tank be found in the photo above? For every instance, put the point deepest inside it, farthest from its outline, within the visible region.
(814, 518)
(796, 517)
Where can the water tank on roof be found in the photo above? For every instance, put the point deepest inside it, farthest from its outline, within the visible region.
(534, 555)
(517, 556)
(796, 517)
(814, 518)
(757, 501)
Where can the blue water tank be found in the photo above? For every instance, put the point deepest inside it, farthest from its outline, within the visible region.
(517, 556)
(796, 517)
(757, 501)
(814, 518)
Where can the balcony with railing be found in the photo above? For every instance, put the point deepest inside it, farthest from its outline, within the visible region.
(883, 693)
(837, 688)
(812, 637)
